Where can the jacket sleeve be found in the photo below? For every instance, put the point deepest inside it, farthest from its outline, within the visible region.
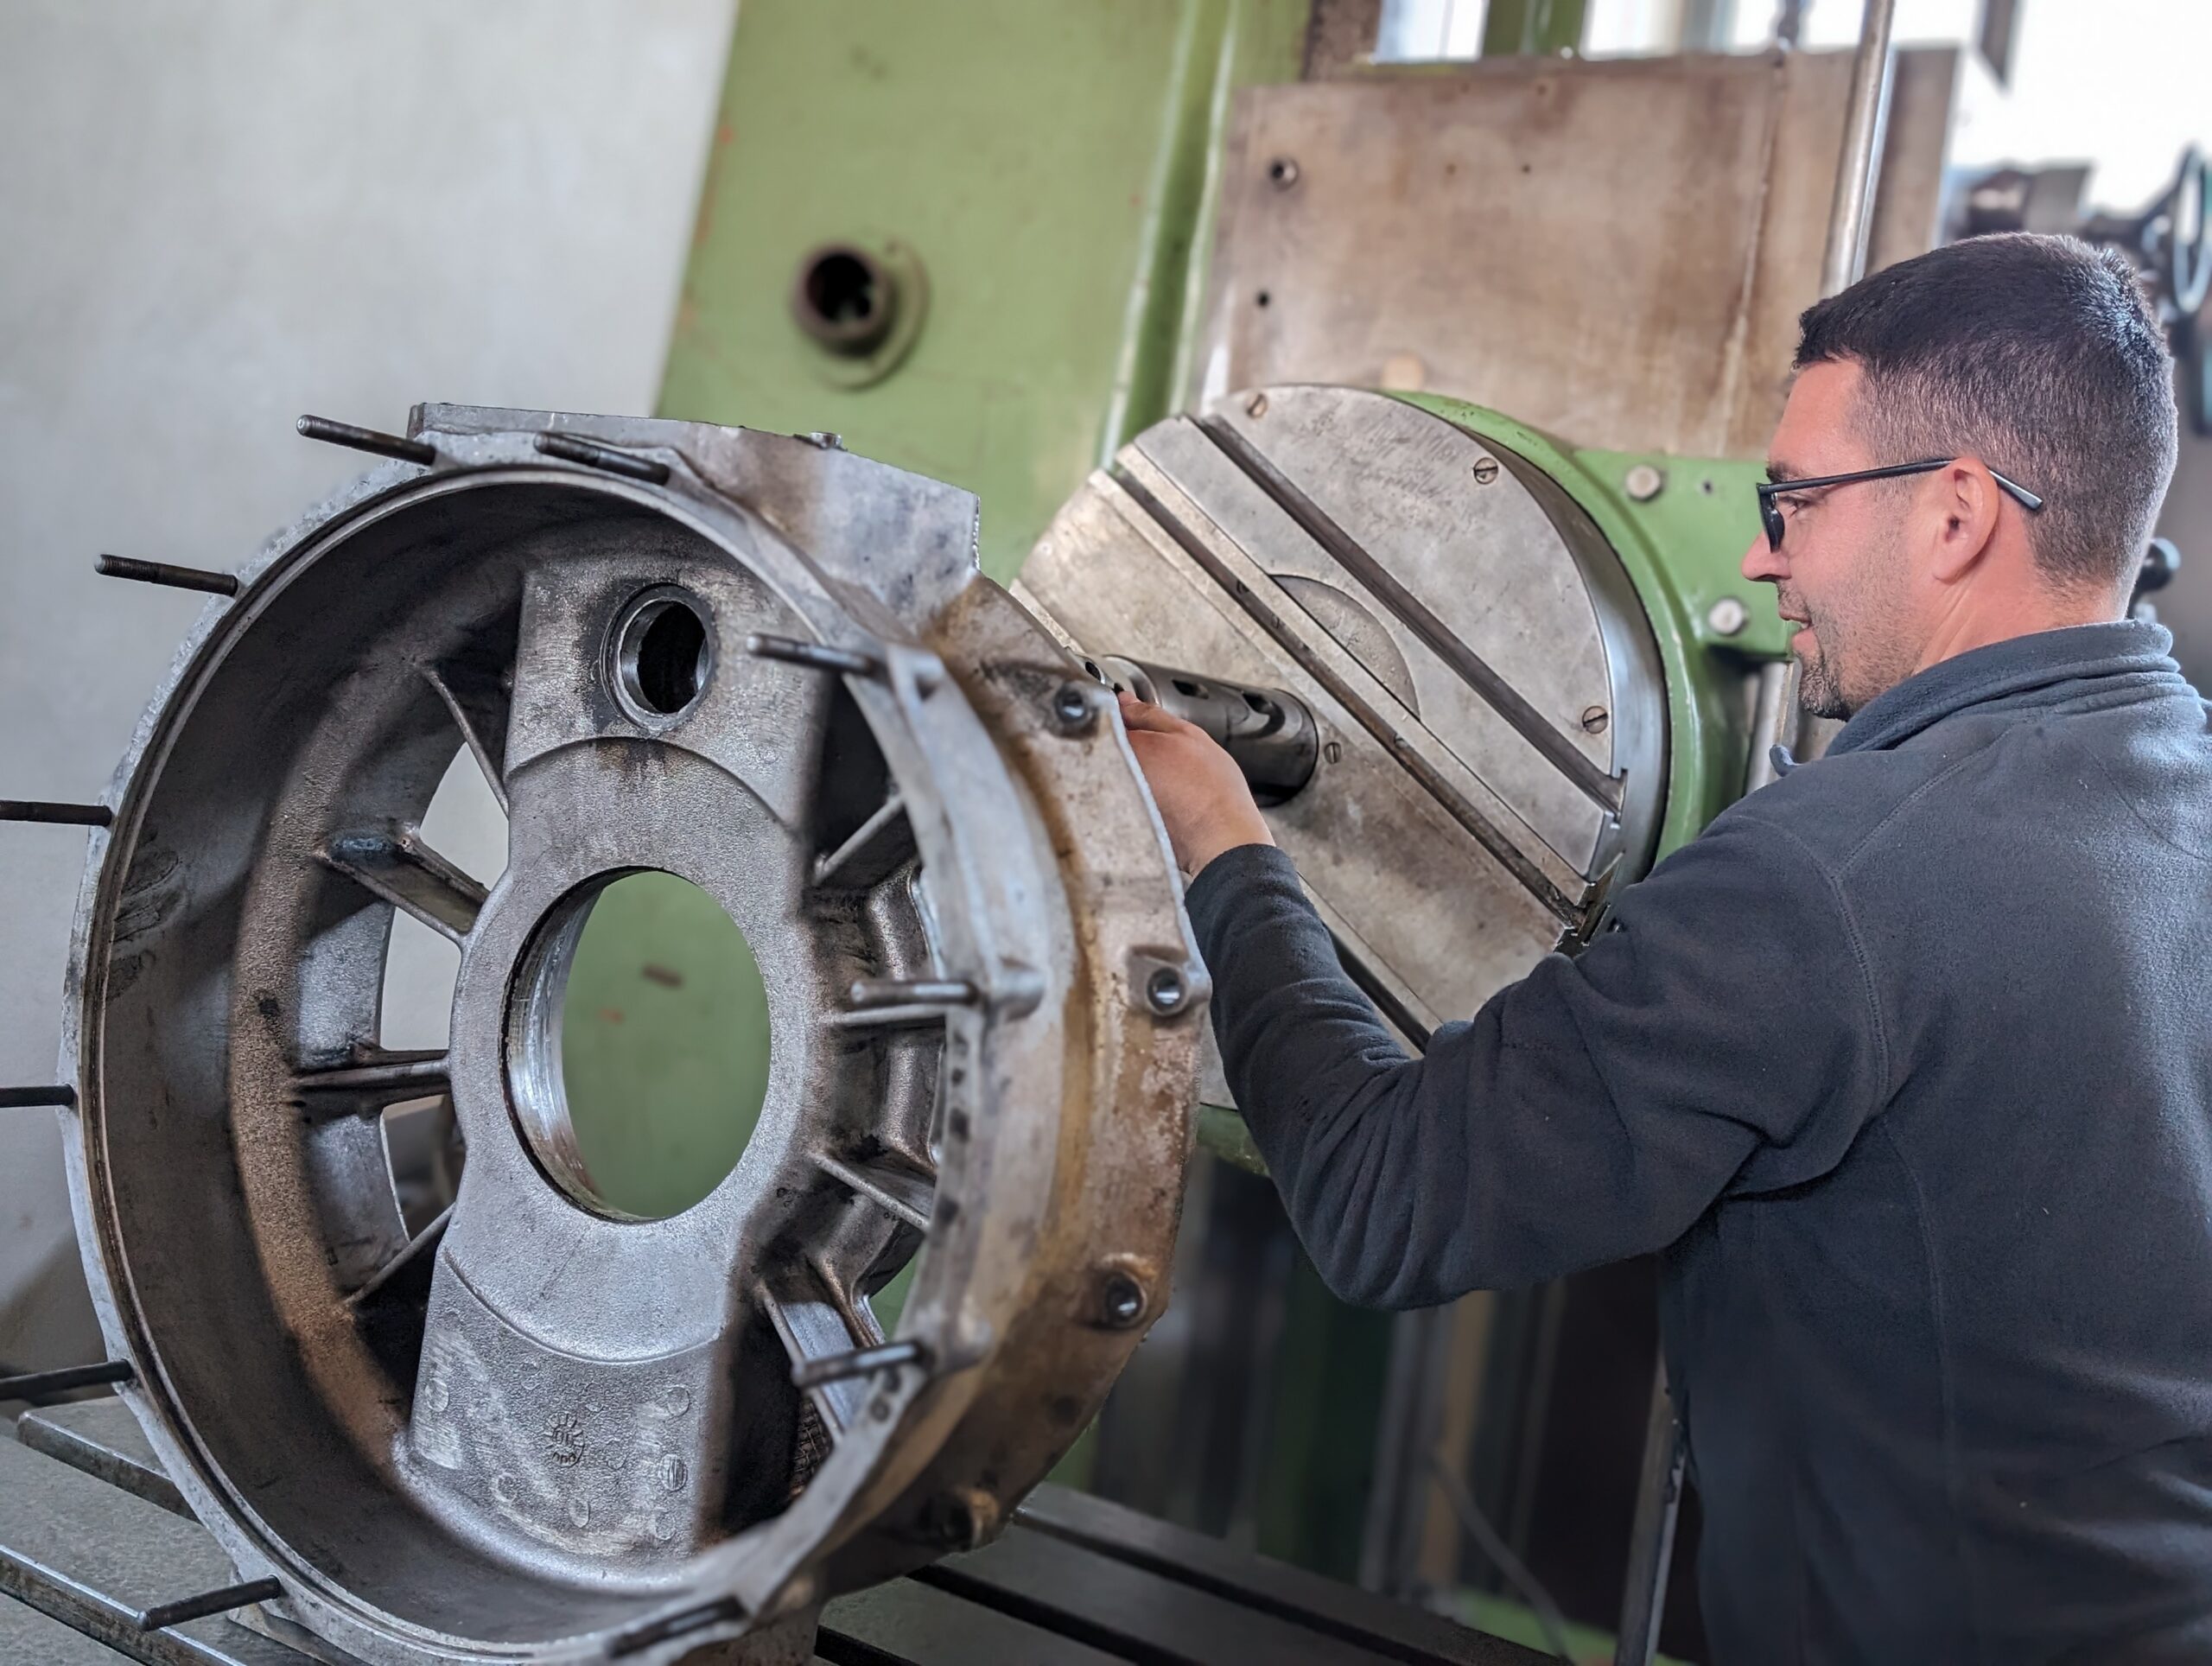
(1720, 1035)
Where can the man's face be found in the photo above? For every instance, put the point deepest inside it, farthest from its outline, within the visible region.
(1841, 573)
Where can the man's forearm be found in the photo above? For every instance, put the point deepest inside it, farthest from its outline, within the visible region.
(1556, 1129)
(1308, 1060)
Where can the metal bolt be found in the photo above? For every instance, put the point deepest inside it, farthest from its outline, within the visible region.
(1727, 616)
(1332, 751)
(1282, 173)
(1122, 1301)
(1164, 991)
(1485, 470)
(1071, 708)
(824, 439)
(1256, 405)
(1645, 482)
(1594, 719)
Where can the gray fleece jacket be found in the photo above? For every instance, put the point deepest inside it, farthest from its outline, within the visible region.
(1905, 1065)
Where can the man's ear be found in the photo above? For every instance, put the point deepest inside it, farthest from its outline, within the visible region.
(1961, 516)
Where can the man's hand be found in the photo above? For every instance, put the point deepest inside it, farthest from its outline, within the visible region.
(1200, 791)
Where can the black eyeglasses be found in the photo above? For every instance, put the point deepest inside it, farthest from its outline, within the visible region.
(1771, 516)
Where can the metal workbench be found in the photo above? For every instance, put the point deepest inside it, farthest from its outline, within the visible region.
(92, 1531)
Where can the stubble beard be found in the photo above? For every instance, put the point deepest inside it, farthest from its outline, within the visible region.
(1818, 691)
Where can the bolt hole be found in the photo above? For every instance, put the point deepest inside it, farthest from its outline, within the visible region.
(1262, 299)
(1187, 689)
(663, 656)
(843, 299)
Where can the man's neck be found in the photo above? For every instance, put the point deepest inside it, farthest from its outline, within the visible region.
(1968, 626)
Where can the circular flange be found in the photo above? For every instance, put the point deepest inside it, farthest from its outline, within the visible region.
(542, 1427)
(1488, 687)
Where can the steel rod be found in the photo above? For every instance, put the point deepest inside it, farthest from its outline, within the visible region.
(868, 993)
(160, 572)
(680, 1624)
(37, 810)
(1859, 169)
(1652, 1539)
(58, 1095)
(862, 1362)
(368, 439)
(162, 1615)
(815, 656)
(33, 1385)
(1773, 705)
(612, 458)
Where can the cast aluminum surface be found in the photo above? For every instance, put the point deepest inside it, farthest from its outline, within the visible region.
(540, 1429)
(1489, 694)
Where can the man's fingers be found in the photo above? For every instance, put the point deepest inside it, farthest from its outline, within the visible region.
(1136, 714)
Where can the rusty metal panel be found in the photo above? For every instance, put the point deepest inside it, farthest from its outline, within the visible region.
(1615, 250)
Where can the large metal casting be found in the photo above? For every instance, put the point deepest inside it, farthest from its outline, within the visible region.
(540, 1429)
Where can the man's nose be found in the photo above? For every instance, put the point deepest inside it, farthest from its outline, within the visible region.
(1762, 563)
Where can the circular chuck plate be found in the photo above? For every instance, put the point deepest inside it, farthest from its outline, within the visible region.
(540, 1430)
(1491, 705)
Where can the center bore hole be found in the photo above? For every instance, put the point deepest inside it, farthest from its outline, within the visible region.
(663, 655)
(644, 1055)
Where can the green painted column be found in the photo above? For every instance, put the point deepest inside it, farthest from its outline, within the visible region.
(1035, 175)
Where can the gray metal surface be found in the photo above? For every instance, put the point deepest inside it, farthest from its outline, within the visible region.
(1446, 617)
(28, 1638)
(1087, 1583)
(1127, 1609)
(538, 1427)
(1357, 1619)
(1614, 252)
(92, 1555)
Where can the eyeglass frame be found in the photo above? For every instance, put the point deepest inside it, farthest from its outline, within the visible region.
(1771, 516)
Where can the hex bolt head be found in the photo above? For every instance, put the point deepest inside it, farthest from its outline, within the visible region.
(1072, 709)
(1122, 1301)
(1727, 616)
(1485, 470)
(1645, 482)
(1594, 719)
(1164, 991)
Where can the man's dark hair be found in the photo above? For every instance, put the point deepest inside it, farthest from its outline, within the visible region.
(2039, 355)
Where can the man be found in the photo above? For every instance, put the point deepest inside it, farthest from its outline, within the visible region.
(1905, 1064)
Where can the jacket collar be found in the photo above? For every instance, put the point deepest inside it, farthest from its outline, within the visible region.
(2006, 671)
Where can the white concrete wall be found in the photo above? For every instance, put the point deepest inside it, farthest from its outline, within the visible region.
(217, 215)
